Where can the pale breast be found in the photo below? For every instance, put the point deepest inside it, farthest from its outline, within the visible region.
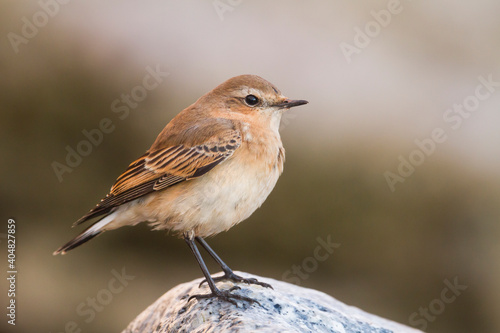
(223, 197)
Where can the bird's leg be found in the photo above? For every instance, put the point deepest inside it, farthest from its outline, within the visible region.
(225, 295)
(228, 272)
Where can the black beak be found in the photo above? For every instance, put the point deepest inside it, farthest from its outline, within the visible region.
(290, 103)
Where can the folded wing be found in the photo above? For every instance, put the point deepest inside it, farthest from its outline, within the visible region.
(161, 168)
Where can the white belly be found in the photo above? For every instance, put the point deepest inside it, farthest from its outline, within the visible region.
(230, 197)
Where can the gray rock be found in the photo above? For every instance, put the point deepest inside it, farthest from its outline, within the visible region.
(287, 308)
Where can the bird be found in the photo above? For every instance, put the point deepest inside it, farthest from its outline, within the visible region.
(209, 169)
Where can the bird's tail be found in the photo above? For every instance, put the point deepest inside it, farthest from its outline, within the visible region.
(89, 233)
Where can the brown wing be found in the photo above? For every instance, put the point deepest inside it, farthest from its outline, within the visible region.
(159, 169)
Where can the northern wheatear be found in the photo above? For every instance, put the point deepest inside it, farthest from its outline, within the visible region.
(210, 168)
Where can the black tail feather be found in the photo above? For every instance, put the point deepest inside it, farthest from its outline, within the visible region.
(77, 241)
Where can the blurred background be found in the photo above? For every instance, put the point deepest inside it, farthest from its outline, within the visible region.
(378, 75)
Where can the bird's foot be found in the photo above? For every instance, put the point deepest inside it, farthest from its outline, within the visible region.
(225, 295)
(236, 278)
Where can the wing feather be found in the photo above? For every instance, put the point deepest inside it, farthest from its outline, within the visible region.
(159, 169)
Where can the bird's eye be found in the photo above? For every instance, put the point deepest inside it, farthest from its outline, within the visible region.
(251, 100)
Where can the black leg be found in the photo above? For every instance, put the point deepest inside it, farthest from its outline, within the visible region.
(228, 272)
(215, 292)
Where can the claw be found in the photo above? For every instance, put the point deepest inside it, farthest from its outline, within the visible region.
(225, 295)
(236, 278)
